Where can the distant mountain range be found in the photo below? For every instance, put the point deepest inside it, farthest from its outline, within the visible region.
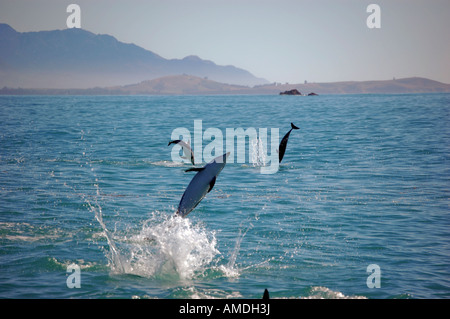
(188, 84)
(76, 61)
(76, 58)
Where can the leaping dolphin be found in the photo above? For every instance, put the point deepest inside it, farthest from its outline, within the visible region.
(283, 143)
(201, 184)
(186, 149)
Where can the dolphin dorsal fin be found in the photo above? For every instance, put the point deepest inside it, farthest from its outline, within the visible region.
(174, 142)
(211, 184)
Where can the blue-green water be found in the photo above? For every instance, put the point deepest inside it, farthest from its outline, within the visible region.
(89, 181)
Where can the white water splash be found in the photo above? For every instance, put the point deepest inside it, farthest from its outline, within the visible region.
(230, 269)
(168, 245)
(114, 256)
(258, 152)
(165, 247)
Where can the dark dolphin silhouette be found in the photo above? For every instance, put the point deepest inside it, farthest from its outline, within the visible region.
(186, 149)
(283, 143)
(201, 184)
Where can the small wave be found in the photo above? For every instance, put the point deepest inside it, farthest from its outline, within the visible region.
(167, 164)
(193, 292)
(84, 265)
(319, 292)
(26, 232)
(204, 293)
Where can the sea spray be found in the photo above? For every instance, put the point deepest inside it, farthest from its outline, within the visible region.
(114, 256)
(165, 247)
(258, 152)
(230, 269)
(176, 245)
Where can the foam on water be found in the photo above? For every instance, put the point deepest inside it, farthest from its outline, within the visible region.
(319, 292)
(166, 246)
(167, 163)
(25, 232)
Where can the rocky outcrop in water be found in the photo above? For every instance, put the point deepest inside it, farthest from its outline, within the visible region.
(291, 92)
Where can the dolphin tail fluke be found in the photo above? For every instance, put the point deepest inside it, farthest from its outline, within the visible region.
(294, 127)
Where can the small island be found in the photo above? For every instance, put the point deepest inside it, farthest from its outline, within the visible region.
(296, 92)
(291, 92)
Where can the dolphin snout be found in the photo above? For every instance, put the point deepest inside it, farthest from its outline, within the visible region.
(222, 159)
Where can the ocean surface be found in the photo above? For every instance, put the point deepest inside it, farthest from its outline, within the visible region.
(359, 207)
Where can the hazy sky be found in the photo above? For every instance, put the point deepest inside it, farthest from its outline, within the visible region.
(280, 40)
